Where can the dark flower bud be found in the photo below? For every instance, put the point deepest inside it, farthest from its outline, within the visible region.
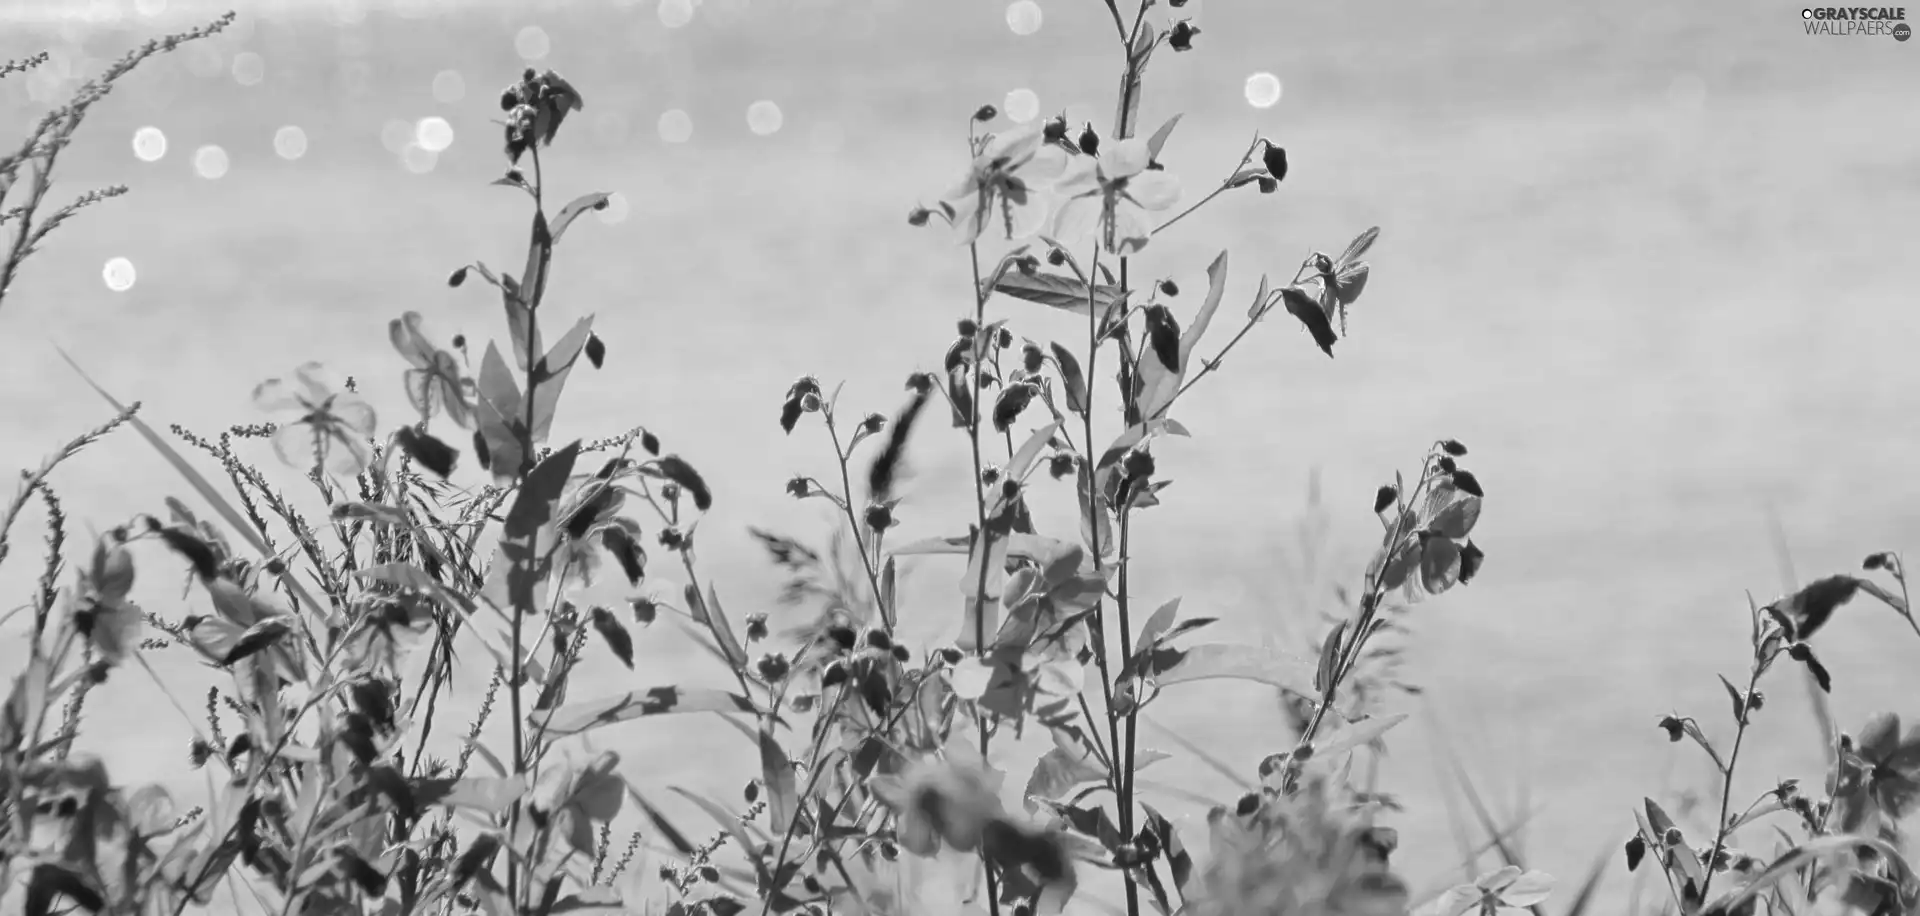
(951, 655)
(1010, 489)
(1676, 728)
(514, 176)
(810, 402)
(1181, 38)
(1138, 464)
(918, 216)
(1170, 288)
(1468, 483)
(1248, 804)
(873, 423)
(1176, 4)
(756, 627)
(671, 538)
(457, 277)
(709, 874)
(1055, 131)
(1385, 497)
(834, 675)
(990, 475)
(1755, 700)
(878, 639)
(199, 752)
(1268, 185)
(275, 566)
(1454, 448)
(879, 517)
(811, 883)
(1005, 339)
(773, 668)
(901, 655)
(1028, 264)
(528, 75)
(508, 99)
(752, 792)
(667, 875)
(1275, 159)
(1032, 358)
(650, 442)
(966, 327)
(797, 487)
(1673, 837)
(1446, 464)
(1060, 465)
(920, 382)
(1056, 257)
(842, 636)
(1471, 556)
(1882, 560)
(1089, 141)
(459, 341)
(986, 113)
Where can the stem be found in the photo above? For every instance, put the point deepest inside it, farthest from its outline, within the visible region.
(1726, 788)
(985, 535)
(840, 457)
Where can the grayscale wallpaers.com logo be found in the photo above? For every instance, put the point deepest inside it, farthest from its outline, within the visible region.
(1849, 21)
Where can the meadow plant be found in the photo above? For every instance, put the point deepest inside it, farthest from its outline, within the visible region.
(341, 625)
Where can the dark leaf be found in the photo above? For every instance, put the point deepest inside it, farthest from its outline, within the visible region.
(1163, 335)
(481, 795)
(596, 350)
(197, 552)
(1813, 605)
(615, 634)
(1636, 850)
(1012, 401)
(1386, 496)
(533, 509)
(1470, 558)
(256, 638)
(552, 373)
(886, 466)
(676, 469)
(1159, 138)
(49, 882)
(1467, 483)
(783, 800)
(478, 855)
(1803, 653)
(427, 451)
(790, 412)
(1307, 309)
(350, 866)
(626, 551)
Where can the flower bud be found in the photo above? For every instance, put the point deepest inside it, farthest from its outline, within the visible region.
(842, 636)
(951, 655)
(986, 113)
(459, 341)
(873, 423)
(1384, 498)
(879, 517)
(797, 487)
(1089, 141)
(1454, 447)
(756, 627)
(918, 216)
(1055, 131)
(1181, 37)
(1268, 185)
(1056, 257)
(966, 327)
(773, 668)
(1138, 464)
(1275, 159)
(1168, 287)
(457, 277)
(901, 655)
(878, 639)
(1060, 465)
(834, 675)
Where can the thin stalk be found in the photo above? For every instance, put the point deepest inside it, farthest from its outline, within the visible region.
(840, 457)
(1726, 785)
(985, 534)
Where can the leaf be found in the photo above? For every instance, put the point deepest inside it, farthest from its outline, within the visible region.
(48, 882)
(1068, 763)
(1158, 623)
(1356, 735)
(370, 512)
(257, 638)
(1798, 857)
(498, 416)
(1179, 862)
(1011, 402)
(574, 208)
(1809, 608)
(1163, 337)
(1739, 700)
(1167, 666)
(1456, 513)
(601, 900)
(1308, 311)
(576, 718)
(710, 614)
(1056, 291)
(1159, 138)
(1439, 565)
(1158, 388)
(614, 634)
(676, 469)
(1071, 378)
(1029, 452)
(551, 375)
(886, 465)
(1131, 76)
(522, 325)
(532, 510)
(783, 800)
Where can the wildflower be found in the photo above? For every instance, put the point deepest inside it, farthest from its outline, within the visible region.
(1113, 192)
(434, 382)
(333, 428)
(1880, 778)
(1181, 37)
(1275, 159)
(936, 801)
(1005, 181)
(1496, 893)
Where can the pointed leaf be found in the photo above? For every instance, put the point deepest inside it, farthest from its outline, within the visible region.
(783, 800)
(1064, 293)
(1159, 385)
(579, 717)
(574, 208)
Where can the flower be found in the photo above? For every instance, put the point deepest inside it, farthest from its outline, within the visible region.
(1880, 780)
(333, 428)
(434, 382)
(940, 800)
(1005, 180)
(1113, 192)
(1497, 893)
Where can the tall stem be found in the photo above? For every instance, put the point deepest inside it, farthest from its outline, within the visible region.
(985, 535)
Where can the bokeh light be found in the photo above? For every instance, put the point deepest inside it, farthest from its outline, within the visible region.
(433, 134)
(210, 162)
(1263, 90)
(449, 87)
(395, 134)
(675, 126)
(1023, 17)
(418, 159)
(290, 142)
(249, 68)
(676, 13)
(764, 117)
(149, 144)
(1021, 105)
(532, 43)
(118, 274)
(616, 211)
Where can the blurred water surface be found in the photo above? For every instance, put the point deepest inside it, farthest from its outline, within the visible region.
(1653, 263)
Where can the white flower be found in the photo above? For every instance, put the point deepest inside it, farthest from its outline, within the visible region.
(1113, 192)
(1007, 181)
(333, 428)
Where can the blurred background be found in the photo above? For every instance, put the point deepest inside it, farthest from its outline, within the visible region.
(1652, 263)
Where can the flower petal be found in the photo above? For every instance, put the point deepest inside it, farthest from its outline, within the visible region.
(1015, 145)
(352, 413)
(1076, 219)
(1131, 231)
(278, 394)
(409, 340)
(1029, 217)
(1528, 889)
(1046, 166)
(299, 445)
(1125, 159)
(969, 220)
(318, 382)
(1154, 190)
(347, 454)
(1081, 176)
